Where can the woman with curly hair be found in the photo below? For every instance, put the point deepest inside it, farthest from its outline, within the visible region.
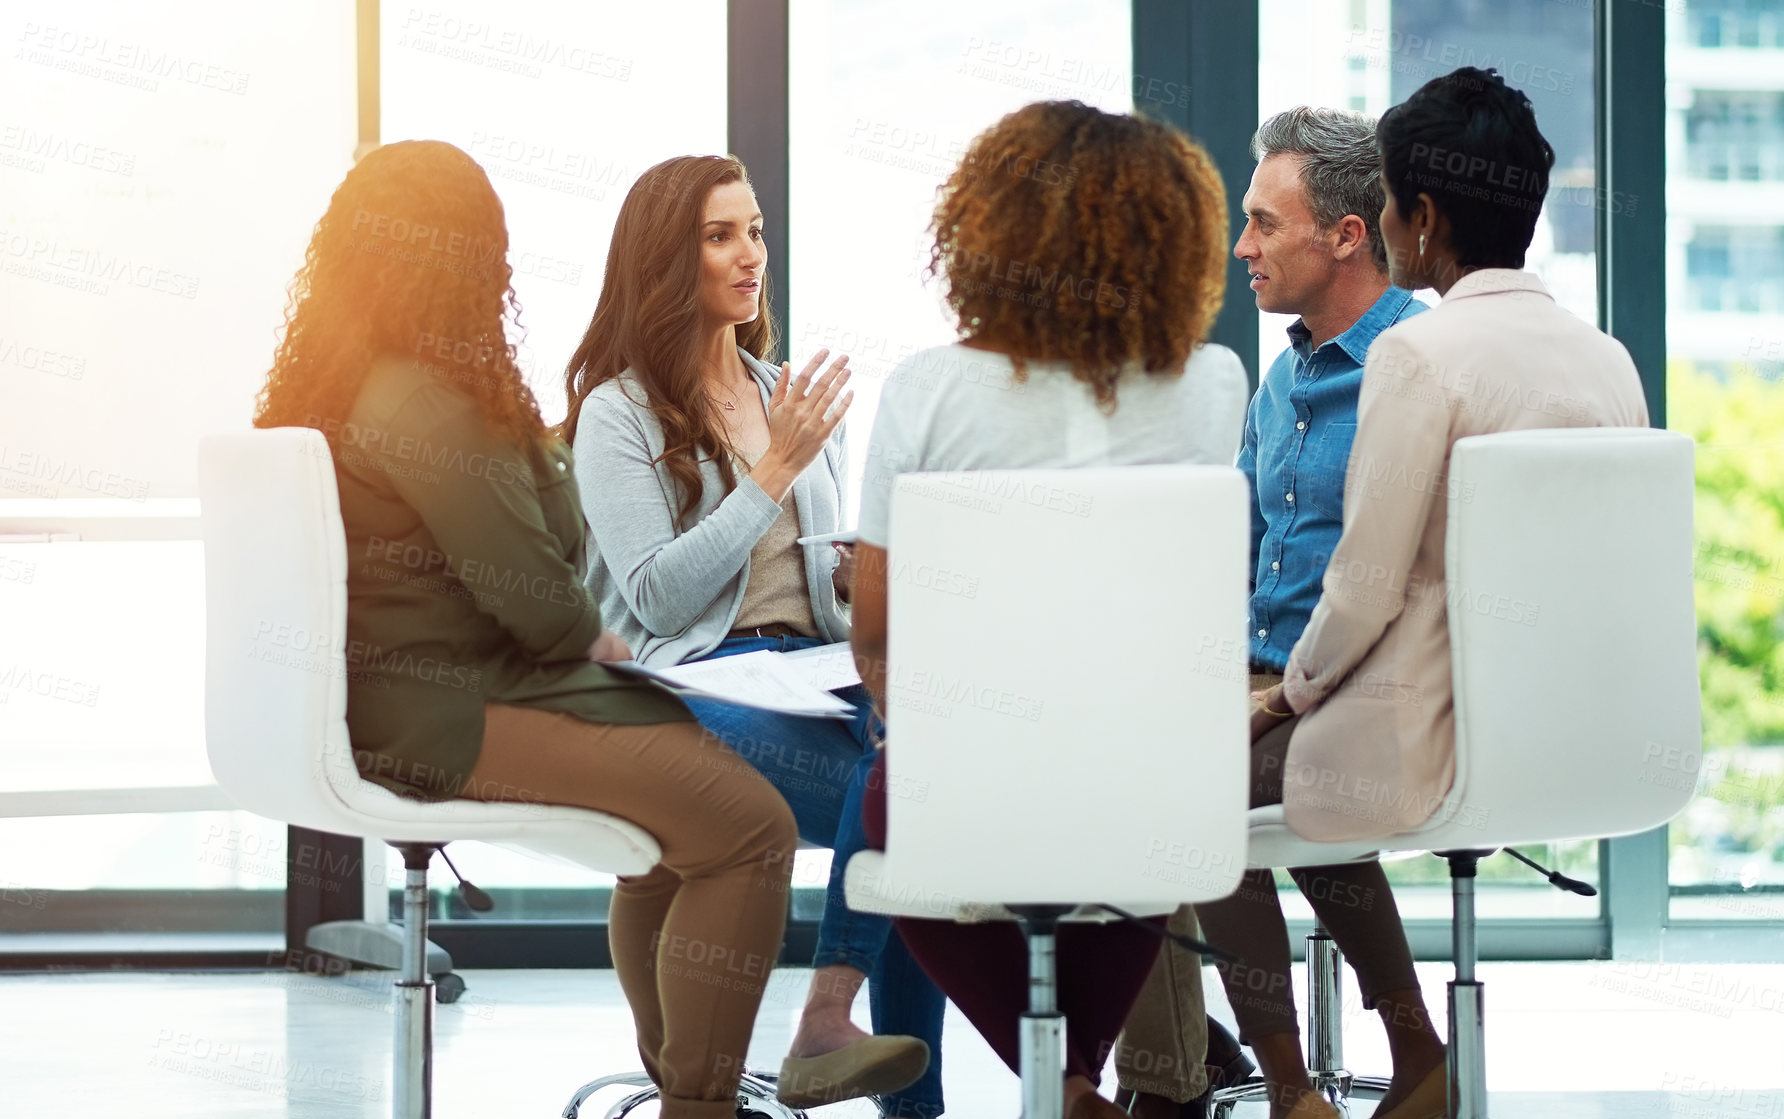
(1083, 255)
(701, 468)
(473, 645)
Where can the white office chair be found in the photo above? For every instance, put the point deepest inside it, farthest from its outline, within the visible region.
(1050, 743)
(276, 704)
(1565, 727)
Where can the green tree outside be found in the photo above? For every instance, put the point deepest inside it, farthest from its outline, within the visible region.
(1738, 423)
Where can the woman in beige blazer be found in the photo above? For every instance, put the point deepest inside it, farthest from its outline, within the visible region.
(1358, 740)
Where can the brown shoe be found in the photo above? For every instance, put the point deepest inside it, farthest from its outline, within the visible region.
(870, 1067)
(1430, 1100)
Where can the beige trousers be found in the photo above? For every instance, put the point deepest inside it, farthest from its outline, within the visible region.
(694, 939)
(1162, 1049)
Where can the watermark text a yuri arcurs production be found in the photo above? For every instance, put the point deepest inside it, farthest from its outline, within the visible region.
(120, 61)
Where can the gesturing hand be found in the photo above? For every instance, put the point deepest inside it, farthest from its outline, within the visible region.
(801, 416)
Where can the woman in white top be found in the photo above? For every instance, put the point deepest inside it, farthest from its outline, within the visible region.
(1083, 254)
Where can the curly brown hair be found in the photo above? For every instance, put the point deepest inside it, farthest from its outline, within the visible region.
(1071, 234)
(411, 258)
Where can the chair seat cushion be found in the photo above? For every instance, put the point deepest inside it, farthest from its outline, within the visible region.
(577, 836)
(1270, 843)
(872, 886)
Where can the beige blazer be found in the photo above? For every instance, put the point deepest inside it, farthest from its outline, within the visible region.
(1375, 752)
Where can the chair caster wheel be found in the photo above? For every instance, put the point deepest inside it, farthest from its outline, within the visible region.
(448, 987)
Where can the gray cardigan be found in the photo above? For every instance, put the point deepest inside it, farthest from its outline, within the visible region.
(672, 592)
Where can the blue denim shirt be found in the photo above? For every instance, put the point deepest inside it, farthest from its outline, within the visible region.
(1296, 447)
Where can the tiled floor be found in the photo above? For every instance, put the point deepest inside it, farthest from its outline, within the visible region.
(1564, 1040)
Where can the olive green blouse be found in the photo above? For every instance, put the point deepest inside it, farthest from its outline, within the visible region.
(466, 559)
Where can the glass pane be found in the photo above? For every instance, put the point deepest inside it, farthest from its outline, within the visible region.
(564, 105)
(79, 710)
(1725, 365)
(162, 167)
(1733, 24)
(1368, 55)
(141, 851)
(886, 94)
(102, 666)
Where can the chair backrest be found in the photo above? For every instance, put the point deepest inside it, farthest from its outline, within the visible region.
(275, 558)
(1067, 680)
(1573, 634)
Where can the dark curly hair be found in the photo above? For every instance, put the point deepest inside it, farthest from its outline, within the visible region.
(647, 318)
(1470, 142)
(1071, 234)
(411, 258)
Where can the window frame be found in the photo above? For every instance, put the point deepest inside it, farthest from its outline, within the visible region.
(1211, 49)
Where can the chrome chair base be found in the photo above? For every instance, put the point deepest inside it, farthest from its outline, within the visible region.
(1325, 1040)
(1337, 1086)
(1042, 1054)
(755, 1096)
(412, 1088)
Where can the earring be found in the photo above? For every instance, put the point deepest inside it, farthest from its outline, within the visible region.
(1421, 250)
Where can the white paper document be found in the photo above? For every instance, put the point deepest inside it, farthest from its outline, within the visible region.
(761, 679)
(827, 667)
(830, 538)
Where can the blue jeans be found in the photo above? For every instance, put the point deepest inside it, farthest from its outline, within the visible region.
(822, 766)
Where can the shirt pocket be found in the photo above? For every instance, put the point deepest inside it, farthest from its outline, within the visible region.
(560, 501)
(1321, 484)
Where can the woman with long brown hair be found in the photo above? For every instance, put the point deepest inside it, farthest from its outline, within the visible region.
(473, 645)
(701, 469)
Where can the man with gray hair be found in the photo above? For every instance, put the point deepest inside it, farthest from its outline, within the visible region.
(1312, 242)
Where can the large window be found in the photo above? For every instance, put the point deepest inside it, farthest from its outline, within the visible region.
(1725, 387)
(162, 166)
